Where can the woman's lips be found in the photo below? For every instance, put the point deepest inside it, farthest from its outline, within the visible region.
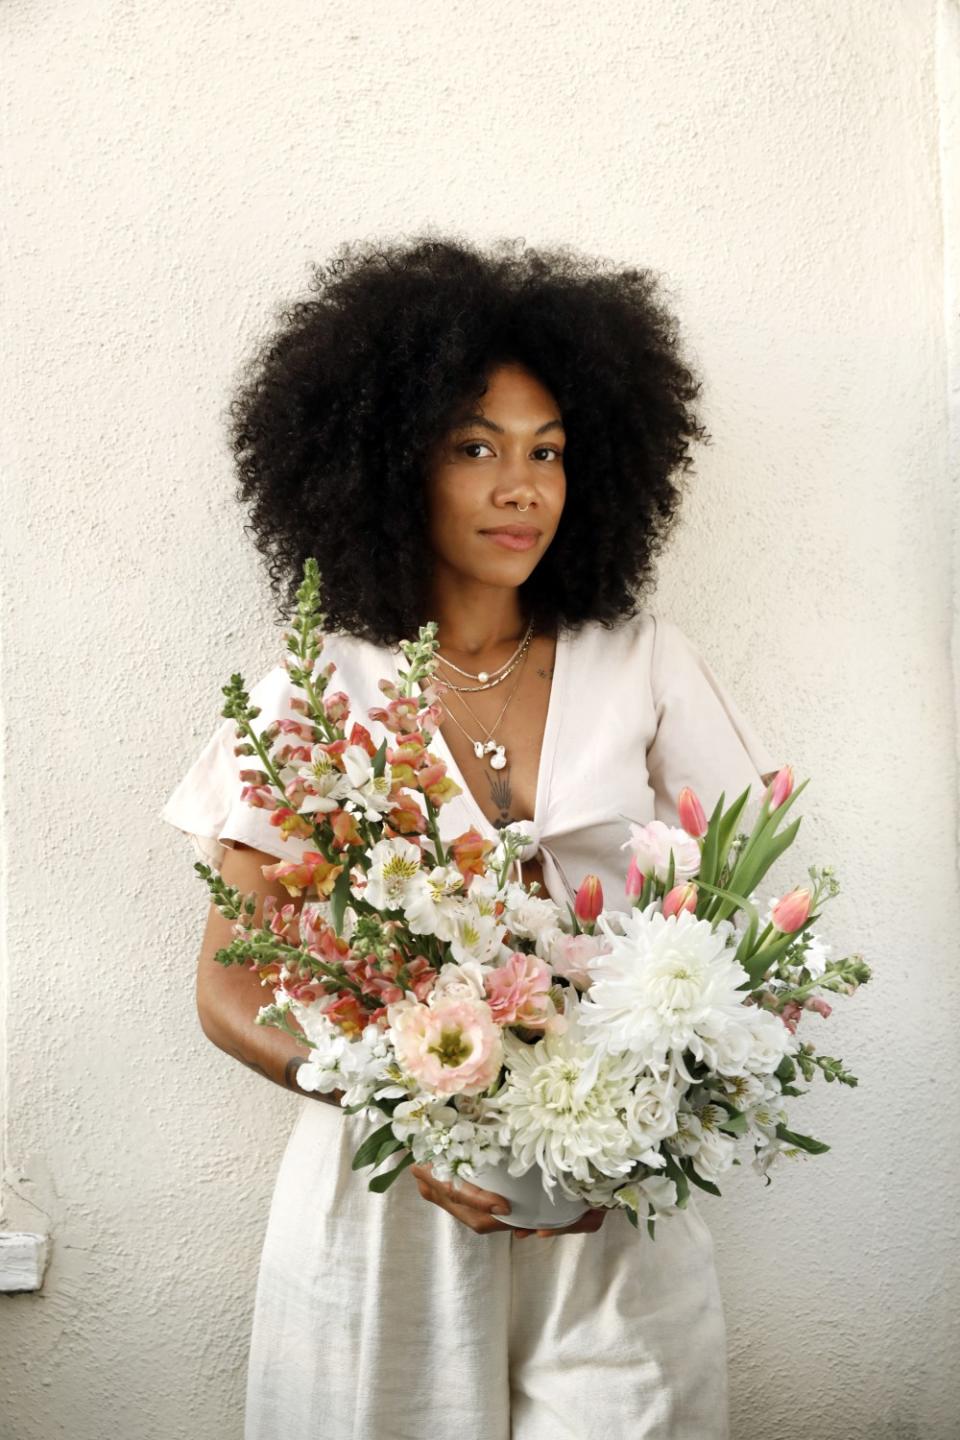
(512, 542)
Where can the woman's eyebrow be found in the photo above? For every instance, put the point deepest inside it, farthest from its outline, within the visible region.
(492, 425)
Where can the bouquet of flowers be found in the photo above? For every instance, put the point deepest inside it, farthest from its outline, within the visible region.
(617, 1058)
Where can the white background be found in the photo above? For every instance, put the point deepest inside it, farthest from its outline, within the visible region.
(171, 172)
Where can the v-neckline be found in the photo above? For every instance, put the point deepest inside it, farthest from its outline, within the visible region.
(547, 749)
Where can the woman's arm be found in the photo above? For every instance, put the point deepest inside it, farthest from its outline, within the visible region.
(229, 996)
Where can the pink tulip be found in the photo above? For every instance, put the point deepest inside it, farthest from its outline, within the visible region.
(589, 900)
(635, 879)
(781, 786)
(681, 897)
(691, 813)
(791, 911)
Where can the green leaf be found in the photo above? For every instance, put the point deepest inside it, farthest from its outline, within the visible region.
(632, 1217)
(380, 759)
(802, 1142)
(651, 1218)
(735, 1123)
(387, 1148)
(699, 1180)
(339, 898)
(678, 1175)
(367, 1152)
(379, 1183)
(709, 855)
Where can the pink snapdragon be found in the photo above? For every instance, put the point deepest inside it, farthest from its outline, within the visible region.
(452, 1048)
(518, 992)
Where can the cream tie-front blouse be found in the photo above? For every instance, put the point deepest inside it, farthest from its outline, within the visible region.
(635, 714)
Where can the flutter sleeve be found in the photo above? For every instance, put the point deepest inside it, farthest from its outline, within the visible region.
(702, 738)
(206, 803)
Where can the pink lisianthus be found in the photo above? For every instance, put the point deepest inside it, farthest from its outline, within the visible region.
(452, 1048)
(651, 845)
(570, 954)
(518, 992)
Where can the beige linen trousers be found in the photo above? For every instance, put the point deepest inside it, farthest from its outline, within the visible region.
(381, 1317)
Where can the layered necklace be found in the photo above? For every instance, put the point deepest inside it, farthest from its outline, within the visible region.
(487, 680)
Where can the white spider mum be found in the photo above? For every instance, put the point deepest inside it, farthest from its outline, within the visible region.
(663, 985)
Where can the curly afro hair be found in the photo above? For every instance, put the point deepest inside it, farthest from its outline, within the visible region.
(336, 412)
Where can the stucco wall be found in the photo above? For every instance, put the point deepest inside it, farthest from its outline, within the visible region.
(172, 169)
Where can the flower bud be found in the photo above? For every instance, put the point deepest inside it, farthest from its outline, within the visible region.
(635, 879)
(781, 786)
(681, 897)
(791, 911)
(817, 1002)
(691, 813)
(589, 900)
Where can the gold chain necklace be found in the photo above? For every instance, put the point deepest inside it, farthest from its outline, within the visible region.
(489, 678)
(496, 751)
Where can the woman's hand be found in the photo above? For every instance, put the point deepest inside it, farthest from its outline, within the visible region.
(477, 1209)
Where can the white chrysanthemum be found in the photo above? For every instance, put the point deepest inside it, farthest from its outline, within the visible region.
(553, 1120)
(359, 1067)
(663, 984)
(427, 904)
(395, 868)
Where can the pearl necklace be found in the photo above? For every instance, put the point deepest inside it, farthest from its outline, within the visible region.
(488, 679)
(496, 751)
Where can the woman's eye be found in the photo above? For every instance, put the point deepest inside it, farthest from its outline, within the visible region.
(474, 444)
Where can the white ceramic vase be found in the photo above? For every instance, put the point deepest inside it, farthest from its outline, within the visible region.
(531, 1208)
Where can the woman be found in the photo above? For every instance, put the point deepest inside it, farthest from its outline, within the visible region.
(430, 397)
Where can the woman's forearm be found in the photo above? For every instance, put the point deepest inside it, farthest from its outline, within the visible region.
(229, 1024)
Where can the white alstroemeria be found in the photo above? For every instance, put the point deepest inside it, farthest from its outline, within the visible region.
(440, 1136)
(528, 916)
(326, 784)
(475, 935)
(358, 1067)
(764, 1117)
(459, 982)
(368, 792)
(745, 1090)
(699, 1136)
(662, 983)
(392, 879)
(657, 1189)
(427, 905)
(551, 1120)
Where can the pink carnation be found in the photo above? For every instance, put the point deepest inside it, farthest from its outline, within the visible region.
(451, 1048)
(518, 992)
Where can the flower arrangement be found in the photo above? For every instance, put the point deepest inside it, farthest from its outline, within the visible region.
(620, 1057)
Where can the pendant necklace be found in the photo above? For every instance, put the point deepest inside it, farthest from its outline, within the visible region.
(496, 751)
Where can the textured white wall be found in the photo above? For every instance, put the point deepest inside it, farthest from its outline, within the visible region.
(172, 169)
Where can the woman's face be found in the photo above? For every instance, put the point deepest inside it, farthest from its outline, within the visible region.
(508, 452)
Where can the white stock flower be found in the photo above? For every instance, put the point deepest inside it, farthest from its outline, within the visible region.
(440, 1136)
(395, 867)
(358, 1067)
(527, 917)
(663, 983)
